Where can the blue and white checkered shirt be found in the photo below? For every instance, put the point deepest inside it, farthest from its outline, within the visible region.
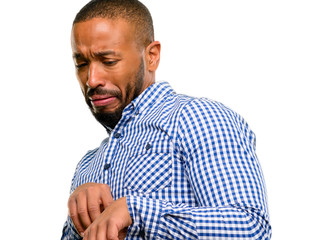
(187, 166)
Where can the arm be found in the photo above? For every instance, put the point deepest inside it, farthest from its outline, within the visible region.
(219, 153)
(82, 186)
(222, 167)
(85, 205)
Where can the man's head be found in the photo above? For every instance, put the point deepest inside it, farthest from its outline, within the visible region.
(115, 55)
(133, 11)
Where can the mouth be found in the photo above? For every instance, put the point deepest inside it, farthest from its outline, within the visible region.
(102, 100)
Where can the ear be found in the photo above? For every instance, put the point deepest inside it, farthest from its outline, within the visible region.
(152, 56)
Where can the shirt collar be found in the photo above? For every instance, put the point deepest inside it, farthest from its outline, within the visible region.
(147, 98)
(150, 95)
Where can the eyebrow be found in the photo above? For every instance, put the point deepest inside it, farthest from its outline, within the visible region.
(97, 54)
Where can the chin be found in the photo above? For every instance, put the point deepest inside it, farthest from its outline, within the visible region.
(108, 118)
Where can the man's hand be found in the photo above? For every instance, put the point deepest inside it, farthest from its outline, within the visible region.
(111, 224)
(87, 202)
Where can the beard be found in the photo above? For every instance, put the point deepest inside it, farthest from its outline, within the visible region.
(133, 89)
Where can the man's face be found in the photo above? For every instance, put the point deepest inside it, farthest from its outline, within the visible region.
(109, 66)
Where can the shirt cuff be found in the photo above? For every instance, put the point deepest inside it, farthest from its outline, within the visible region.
(69, 231)
(146, 214)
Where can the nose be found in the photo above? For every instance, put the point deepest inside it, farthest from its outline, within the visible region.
(95, 78)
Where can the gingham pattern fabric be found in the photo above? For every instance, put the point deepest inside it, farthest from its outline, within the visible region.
(187, 166)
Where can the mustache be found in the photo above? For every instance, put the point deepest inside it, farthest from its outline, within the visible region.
(103, 91)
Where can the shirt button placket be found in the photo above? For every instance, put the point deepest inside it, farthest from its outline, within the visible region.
(107, 166)
(116, 135)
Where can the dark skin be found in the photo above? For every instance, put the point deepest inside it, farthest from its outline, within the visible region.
(109, 58)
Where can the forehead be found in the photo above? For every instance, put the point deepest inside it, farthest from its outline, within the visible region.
(98, 34)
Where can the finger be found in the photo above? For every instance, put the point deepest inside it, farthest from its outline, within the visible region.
(112, 232)
(90, 233)
(72, 206)
(94, 203)
(101, 232)
(82, 210)
(106, 197)
(86, 234)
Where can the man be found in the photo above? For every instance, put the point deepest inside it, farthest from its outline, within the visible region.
(173, 166)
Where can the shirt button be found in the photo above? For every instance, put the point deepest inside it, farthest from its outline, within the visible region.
(107, 166)
(116, 135)
(148, 146)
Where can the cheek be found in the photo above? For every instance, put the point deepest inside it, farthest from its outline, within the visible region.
(122, 77)
(81, 82)
(128, 85)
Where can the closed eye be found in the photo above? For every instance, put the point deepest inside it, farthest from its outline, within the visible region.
(78, 66)
(110, 63)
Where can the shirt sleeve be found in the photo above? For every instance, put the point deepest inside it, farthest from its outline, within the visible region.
(222, 167)
(69, 231)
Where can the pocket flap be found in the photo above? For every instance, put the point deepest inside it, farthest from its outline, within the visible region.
(148, 172)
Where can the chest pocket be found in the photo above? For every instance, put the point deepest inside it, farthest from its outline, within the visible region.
(149, 169)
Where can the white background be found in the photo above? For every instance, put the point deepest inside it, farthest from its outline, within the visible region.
(268, 60)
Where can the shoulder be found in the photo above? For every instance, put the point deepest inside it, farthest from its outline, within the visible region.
(207, 118)
(204, 109)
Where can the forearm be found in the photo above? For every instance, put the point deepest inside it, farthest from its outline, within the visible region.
(164, 220)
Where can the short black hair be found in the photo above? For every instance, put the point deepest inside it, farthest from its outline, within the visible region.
(132, 11)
